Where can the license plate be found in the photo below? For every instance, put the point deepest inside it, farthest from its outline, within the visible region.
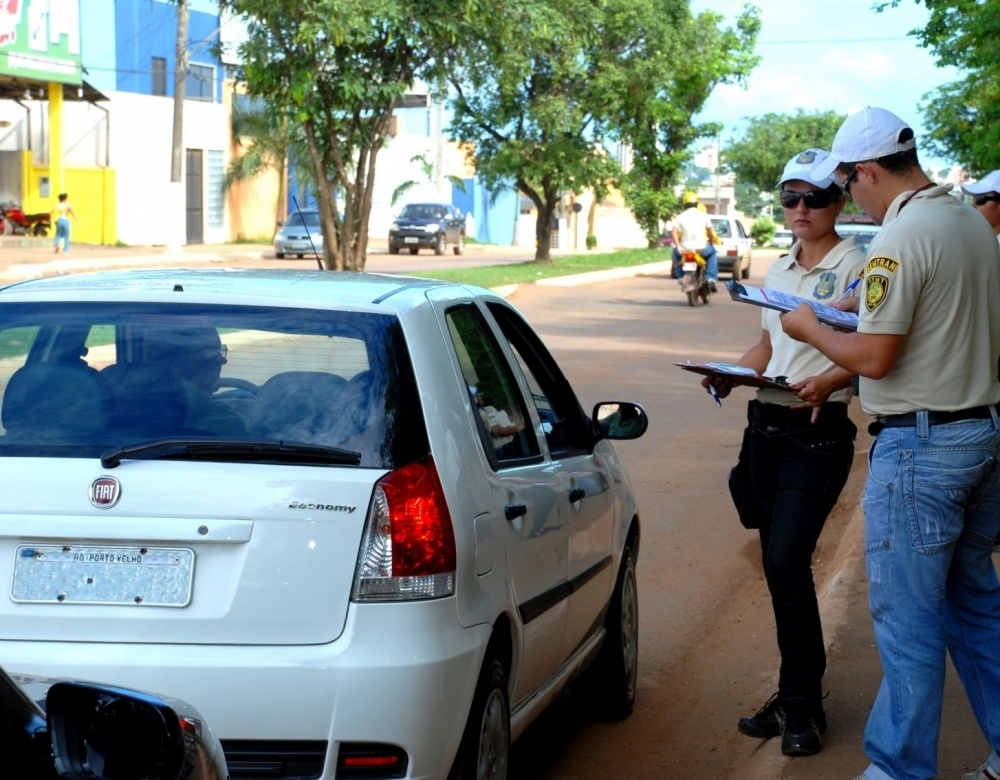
(410, 240)
(70, 574)
(689, 267)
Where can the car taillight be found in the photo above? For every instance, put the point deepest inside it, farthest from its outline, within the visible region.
(408, 547)
(732, 252)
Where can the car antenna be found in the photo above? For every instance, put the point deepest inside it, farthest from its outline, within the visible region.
(319, 261)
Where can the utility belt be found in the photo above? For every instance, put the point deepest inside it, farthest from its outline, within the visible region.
(830, 415)
(909, 420)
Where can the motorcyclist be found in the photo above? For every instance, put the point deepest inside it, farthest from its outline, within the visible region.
(693, 231)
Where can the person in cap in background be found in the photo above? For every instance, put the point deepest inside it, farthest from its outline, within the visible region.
(986, 198)
(926, 349)
(797, 452)
(693, 231)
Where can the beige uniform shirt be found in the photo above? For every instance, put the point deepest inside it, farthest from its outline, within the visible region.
(825, 282)
(933, 275)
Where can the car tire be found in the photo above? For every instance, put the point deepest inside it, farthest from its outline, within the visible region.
(612, 679)
(280, 255)
(393, 249)
(737, 268)
(414, 250)
(459, 248)
(299, 256)
(441, 245)
(484, 751)
(745, 270)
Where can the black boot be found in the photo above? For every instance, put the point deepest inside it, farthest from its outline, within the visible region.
(802, 720)
(765, 723)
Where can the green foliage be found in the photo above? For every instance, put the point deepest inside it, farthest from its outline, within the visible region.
(762, 231)
(527, 106)
(661, 65)
(964, 115)
(591, 241)
(334, 70)
(427, 169)
(750, 200)
(771, 140)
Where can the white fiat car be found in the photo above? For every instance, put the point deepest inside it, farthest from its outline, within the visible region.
(362, 523)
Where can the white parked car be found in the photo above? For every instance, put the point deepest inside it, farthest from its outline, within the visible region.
(783, 239)
(362, 523)
(736, 252)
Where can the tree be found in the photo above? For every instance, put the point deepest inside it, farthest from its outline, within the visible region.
(964, 116)
(268, 142)
(771, 140)
(427, 169)
(660, 68)
(336, 69)
(525, 104)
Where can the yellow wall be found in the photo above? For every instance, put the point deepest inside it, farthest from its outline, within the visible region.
(91, 192)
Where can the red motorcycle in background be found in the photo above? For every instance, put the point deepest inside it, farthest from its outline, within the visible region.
(14, 222)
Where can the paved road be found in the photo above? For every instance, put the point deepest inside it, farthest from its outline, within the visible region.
(707, 654)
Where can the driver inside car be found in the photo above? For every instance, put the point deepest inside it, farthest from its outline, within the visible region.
(195, 355)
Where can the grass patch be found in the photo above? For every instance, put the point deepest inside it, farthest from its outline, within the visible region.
(563, 265)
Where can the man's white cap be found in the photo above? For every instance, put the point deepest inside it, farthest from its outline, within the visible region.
(989, 183)
(803, 166)
(869, 134)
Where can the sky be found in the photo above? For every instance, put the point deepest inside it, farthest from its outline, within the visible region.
(838, 55)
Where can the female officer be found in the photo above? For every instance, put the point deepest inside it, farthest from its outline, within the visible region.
(797, 452)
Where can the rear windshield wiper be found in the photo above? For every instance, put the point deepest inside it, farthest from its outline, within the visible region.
(235, 449)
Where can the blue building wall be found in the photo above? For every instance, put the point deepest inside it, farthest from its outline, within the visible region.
(144, 29)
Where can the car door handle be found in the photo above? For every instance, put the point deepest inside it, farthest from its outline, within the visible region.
(577, 494)
(511, 511)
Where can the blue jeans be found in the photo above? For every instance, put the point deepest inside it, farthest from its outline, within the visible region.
(62, 233)
(932, 510)
(711, 263)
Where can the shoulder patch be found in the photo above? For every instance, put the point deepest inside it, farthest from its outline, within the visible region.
(882, 264)
(876, 287)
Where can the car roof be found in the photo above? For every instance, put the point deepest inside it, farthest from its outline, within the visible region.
(231, 286)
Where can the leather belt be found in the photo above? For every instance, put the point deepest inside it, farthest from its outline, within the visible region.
(909, 420)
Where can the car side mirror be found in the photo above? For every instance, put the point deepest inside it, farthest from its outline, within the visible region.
(619, 420)
(101, 732)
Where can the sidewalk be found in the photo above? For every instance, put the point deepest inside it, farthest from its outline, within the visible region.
(19, 262)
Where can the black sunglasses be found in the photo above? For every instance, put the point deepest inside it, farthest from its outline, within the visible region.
(814, 199)
(980, 200)
(846, 184)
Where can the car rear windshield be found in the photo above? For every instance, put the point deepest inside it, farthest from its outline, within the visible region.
(310, 218)
(422, 211)
(79, 379)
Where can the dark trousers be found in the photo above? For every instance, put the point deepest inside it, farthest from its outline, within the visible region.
(797, 472)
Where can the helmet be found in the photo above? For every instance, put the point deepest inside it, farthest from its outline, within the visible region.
(690, 198)
(702, 208)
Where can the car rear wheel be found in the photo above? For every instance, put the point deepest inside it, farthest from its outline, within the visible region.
(745, 271)
(414, 250)
(737, 268)
(611, 682)
(441, 245)
(393, 249)
(280, 255)
(459, 248)
(485, 748)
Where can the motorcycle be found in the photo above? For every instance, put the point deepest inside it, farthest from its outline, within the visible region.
(693, 282)
(15, 222)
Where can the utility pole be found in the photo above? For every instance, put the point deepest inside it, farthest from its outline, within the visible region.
(178, 225)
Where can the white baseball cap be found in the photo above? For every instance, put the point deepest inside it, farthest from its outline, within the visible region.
(989, 183)
(803, 166)
(869, 134)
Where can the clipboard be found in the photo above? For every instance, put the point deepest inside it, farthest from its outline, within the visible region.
(738, 375)
(782, 301)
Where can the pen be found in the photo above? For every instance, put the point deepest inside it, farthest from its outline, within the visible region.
(849, 290)
(715, 394)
